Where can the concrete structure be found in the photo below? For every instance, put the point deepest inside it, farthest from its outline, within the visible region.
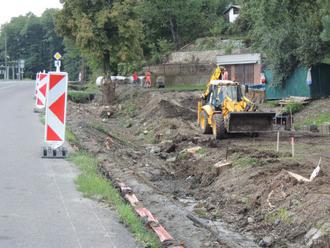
(244, 68)
(232, 12)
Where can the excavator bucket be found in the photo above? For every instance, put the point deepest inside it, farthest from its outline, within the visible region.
(250, 122)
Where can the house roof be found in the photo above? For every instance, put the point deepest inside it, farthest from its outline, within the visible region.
(237, 59)
(230, 6)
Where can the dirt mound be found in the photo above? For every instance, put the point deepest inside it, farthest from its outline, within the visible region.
(172, 109)
(169, 106)
(150, 132)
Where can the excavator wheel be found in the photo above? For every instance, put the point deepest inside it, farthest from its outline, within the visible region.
(204, 124)
(218, 127)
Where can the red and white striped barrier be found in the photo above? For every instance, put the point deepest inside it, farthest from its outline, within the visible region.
(56, 102)
(36, 86)
(41, 91)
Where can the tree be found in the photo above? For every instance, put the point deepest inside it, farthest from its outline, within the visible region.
(101, 28)
(72, 59)
(33, 39)
(179, 21)
(287, 32)
(51, 41)
(326, 32)
(325, 12)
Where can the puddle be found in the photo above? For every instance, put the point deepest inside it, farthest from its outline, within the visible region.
(220, 229)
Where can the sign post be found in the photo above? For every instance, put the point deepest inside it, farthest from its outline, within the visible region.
(57, 57)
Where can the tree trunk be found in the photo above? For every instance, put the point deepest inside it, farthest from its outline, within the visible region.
(108, 87)
(83, 71)
(174, 33)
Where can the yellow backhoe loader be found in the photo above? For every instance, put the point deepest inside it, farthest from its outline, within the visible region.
(224, 109)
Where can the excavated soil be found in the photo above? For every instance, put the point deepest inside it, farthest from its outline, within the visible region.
(150, 140)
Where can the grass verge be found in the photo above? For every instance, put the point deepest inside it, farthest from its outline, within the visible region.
(321, 119)
(94, 185)
(318, 121)
(71, 137)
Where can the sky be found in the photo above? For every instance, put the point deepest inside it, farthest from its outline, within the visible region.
(13, 8)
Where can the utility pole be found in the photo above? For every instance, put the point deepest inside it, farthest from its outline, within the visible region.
(6, 62)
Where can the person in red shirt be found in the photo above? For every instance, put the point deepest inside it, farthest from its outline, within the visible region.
(148, 79)
(225, 74)
(135, 78)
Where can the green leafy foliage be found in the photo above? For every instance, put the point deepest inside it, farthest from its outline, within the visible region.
(33, 39)
(103, 29)
(326, 32)
(80, 96)
(171, 24)
(293, 107)
(287, 32)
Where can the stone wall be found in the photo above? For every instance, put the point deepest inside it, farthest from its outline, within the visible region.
(208, 56)
(182, 73)
(195, 56)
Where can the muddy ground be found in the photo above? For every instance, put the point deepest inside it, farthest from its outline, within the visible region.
(145, 139)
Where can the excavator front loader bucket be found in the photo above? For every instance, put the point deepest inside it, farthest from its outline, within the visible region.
(250, 122)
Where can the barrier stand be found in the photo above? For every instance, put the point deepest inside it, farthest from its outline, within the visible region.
(41, 92)
(56, 102)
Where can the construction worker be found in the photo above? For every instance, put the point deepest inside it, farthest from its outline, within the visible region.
(135, 78)
(216, 76)
(148, 79)
(225, 75)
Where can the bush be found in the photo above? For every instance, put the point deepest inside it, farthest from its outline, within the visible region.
(293, 107)
(81, 96)
(77, 87)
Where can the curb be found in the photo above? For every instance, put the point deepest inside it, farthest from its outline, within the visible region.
(166, 240)
(150, 220)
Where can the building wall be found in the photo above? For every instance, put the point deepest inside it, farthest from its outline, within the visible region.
(245, 73)
(257, 73)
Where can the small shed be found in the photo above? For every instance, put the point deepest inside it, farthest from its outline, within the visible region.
(232, 12)
(296, 85)
(244, 68)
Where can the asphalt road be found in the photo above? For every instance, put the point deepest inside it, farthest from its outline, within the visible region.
(39, 204)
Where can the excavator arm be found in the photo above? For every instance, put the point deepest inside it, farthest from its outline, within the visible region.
(215, 76)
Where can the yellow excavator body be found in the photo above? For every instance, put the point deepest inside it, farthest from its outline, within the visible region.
(225, 109)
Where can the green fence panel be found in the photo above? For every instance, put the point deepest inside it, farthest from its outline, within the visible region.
(321, 81)
(293, 86)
